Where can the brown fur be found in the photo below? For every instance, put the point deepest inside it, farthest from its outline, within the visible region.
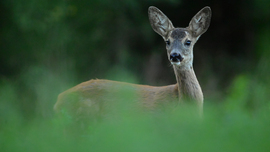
(94, 97)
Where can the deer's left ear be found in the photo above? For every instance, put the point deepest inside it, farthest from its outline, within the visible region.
(200, 22)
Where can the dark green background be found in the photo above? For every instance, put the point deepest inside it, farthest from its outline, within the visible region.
(48, 46)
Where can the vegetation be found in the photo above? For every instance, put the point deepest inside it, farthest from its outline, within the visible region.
(49, 46)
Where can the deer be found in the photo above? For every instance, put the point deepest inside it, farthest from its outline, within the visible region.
(95, 95)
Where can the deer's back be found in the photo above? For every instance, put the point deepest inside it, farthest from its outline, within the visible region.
(95, 96)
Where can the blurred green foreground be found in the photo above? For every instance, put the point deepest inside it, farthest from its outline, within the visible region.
(227, 126)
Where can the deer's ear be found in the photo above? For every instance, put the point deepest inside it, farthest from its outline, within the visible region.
(159, 21)
(200, 22)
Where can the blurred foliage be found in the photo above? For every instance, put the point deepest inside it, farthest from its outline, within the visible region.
(49, 46)
(129, 130)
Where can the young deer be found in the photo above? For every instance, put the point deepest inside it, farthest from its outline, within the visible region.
(94, 96)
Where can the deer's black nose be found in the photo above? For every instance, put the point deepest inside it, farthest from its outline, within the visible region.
(176, 57)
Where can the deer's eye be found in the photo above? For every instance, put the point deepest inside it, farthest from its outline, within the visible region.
(168, 42)
(187, 43)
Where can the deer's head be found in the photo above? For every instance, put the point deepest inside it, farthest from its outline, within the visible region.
(180, 41)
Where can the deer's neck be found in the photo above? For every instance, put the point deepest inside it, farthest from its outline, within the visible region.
(188, 85)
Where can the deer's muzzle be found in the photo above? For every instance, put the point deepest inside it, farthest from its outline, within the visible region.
(176, 57)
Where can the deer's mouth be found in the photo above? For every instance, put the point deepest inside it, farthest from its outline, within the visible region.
(175, 63)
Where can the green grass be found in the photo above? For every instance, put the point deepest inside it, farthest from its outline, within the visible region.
(219, 130)
(230, 125)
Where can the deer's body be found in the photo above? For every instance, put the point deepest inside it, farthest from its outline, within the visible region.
(95, 95)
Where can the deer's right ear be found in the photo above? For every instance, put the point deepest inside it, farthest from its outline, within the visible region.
(159, 21)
